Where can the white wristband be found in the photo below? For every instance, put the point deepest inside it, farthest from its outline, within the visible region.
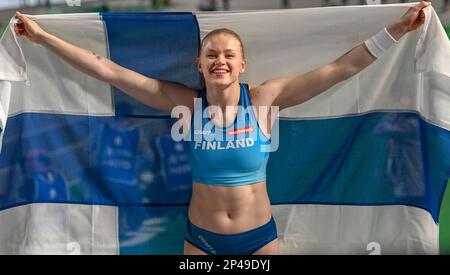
(380, 42)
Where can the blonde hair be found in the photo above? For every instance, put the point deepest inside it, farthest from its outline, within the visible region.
(223, 31)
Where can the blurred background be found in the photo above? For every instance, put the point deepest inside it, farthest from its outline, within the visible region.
(8, 8)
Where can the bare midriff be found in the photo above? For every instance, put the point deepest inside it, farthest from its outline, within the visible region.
(229, 209)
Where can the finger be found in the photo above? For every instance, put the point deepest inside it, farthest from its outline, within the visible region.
(421, 14)
(16, 29)
(422, 5)
(19, 32)
(420, 20)
(421, 17)
(21, 17)
(20, 25)
(19, 28)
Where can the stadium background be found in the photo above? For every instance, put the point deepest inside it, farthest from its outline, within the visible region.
(7, 8)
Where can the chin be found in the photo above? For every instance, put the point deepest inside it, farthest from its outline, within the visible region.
(221, 82)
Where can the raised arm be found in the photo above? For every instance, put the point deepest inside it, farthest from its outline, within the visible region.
(158, 94)
(289, 91)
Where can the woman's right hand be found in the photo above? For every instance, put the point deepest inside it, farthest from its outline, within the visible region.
(28, 28)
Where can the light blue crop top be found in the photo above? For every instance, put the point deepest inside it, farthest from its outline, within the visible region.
(232, 156)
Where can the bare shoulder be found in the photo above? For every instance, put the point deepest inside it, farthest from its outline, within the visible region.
(253, 92)
(258, 94)
(180, 94)
(263, 94)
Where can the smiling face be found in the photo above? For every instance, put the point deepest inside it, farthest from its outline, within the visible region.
(221, 60)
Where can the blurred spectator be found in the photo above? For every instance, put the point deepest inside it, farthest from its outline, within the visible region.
(286, 4)
(43, 182)
(121, 147)
(404, 165)
(176, 169)
(226, 4)
(445, 6)
(156, 4)
(24, 3)
(344, 2)
(207, 5)
(362, 2)
(104, 6)
(211, 5)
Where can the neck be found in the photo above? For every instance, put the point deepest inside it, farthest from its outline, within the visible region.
(223, 96)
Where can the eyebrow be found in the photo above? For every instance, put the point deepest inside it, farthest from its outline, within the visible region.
(227, 50)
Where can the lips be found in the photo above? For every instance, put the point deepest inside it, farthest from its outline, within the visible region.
(219, 71)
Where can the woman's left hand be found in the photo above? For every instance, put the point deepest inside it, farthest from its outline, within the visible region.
(410, 21)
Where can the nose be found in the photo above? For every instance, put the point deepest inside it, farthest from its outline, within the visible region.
(220, 60)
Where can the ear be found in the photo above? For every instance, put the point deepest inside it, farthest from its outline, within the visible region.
(244, 65)
(197, 61)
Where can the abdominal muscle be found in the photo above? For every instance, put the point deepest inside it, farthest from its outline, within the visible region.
(229, 209)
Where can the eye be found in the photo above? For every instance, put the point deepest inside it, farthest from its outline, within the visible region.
(230, 56)
(211, 56)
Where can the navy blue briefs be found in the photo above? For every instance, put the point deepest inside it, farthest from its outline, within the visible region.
(245, 243)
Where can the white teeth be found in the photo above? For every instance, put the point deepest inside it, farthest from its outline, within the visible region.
(220, 71)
